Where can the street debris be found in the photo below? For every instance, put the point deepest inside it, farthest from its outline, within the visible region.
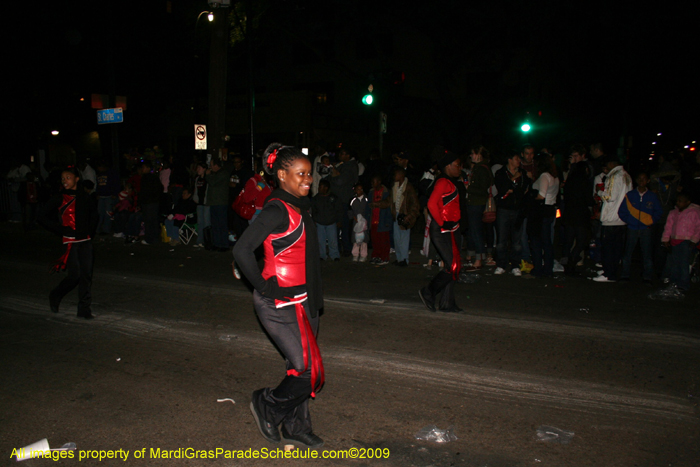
(39, 448)
(466, 278)
(226, 399)
(670, 293)
(554, 435)
(436, 435)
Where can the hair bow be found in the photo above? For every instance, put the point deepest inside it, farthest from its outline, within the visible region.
(272, 158)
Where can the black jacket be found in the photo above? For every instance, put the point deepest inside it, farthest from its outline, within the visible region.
(86, 217)
(520, 185)
(578, 196)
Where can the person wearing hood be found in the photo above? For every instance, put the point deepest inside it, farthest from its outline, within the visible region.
(617, 184)
(72, 215)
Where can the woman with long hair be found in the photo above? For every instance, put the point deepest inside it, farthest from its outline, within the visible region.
(542, 215)
(480, 180)
(287, 296)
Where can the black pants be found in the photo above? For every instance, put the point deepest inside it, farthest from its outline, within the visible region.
(612, 240)
(288, 403)
(79, 273)
(578, 233)
(151, 222)
(443, 280)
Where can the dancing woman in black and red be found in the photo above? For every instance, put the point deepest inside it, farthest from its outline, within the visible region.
(287, 296)
(72, 215)
(444, 206)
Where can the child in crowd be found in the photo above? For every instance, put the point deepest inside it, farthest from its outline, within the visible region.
(378, 215)
(358, 205)
(681, 235)
(178, 214)
(324, 167)
(122, 210)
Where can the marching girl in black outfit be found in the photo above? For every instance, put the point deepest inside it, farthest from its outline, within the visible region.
(444, 208)
(73, 215)
(287, 295)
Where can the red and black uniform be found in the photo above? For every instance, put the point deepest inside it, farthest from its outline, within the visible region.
(73, 215)
(287, 300)
(444, 232)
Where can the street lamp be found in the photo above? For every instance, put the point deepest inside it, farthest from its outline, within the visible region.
(210, 17)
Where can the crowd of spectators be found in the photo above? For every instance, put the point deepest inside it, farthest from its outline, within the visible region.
(523, 214)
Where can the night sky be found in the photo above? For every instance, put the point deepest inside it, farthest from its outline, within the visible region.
(595, 72)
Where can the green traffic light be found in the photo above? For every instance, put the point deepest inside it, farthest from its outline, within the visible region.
(367, 99)
(525, 128)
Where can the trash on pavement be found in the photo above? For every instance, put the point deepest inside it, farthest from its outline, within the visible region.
(40, 448)
(670, 293)
(436, 435)
(226, 399)
(33, 450)
(554, 435)
(467, 278)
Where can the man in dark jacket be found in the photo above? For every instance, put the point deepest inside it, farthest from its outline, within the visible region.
(576, 217)
(149, 202)
(511, 184)
(326, 210)
(343, 178)
(218, 177)
(107, 190)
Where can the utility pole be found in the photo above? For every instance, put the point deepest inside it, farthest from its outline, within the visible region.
(218, 59)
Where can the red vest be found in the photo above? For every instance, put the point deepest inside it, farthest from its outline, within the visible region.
(448, 202)
(285, 256)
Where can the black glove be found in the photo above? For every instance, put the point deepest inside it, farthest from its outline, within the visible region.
(273, 290)
(449, 225)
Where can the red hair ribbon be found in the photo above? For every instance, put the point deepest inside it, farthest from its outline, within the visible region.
(271, 158)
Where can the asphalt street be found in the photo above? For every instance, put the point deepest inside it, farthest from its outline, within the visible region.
(175, 332)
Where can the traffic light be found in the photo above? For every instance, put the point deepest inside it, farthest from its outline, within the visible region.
(525, 127)
(367, 99)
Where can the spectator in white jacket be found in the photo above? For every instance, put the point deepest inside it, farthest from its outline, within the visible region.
(617, 184)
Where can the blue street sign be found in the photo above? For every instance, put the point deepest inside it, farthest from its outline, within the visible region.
(110, 116)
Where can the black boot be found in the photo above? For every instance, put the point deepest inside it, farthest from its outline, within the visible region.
(267, 429)
(87, 314)
(53, 303)
(425, 297)
(307, 439)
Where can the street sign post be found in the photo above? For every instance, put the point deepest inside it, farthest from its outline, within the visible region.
(110, 116)
(200, 137)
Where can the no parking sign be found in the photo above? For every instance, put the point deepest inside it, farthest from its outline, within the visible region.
(200, 136)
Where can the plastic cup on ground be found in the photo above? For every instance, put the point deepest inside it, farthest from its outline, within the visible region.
(33, 450)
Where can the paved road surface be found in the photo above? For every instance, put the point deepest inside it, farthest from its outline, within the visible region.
(619, 371)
